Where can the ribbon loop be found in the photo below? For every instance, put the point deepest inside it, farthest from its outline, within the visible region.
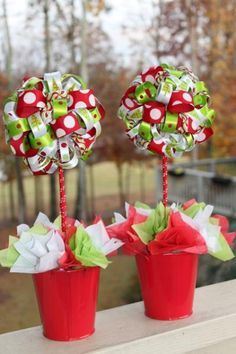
(59, 106)
(145, 92)
(17, 127)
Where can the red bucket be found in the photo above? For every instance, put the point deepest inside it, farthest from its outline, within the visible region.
(167, 283)
(67, 302)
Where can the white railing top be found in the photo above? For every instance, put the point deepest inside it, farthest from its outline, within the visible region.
(206, 162)
(125, 330)
(206, 174)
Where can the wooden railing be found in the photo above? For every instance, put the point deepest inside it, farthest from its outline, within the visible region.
(125, 330)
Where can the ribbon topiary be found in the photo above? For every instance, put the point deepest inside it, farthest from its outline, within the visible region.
(166, 111)
(52, 121)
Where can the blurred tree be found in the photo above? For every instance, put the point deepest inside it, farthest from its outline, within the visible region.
(8, 68)
(4, 91)
(192, 9)
(6, 157)
(34, 8)
(114, 145)
(81, 196)
(92, 7)
(47, 52)
(95, 6)
(221, 72)
(166, 32)
(200, 34)
(71, 24)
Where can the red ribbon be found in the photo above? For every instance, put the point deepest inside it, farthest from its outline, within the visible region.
(180, 102)
(29, 102)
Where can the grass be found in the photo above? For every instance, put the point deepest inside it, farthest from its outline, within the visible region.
(106, 185)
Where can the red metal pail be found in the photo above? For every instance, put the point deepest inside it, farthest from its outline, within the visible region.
(168, 283)
(67, 302)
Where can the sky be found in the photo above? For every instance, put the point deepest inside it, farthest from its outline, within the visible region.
(132, 14)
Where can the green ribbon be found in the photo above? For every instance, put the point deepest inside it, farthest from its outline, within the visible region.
(210, 117)
(170, 123)
(18, 126)
(26, 144)
(205, 115)
(201, 94)
(133, 117)
(145, 92)
(43, 141)
(145, 131)
(174, 82)
(167, 66)
(129, 123)
(183, 86)
(95, 114)
(59, 107)
(176, 73)
(136, 114)
(85, 114)
(170, 147)
(31, 83)
(200, 100)
(76, 77)
(86, 155)
(200, 86)
(189, 140)
(186, 143)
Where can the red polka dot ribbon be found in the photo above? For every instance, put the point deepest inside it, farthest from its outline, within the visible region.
(166, 110)
(52, 121)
